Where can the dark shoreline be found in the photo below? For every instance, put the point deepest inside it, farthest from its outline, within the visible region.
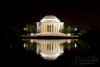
(49, 37)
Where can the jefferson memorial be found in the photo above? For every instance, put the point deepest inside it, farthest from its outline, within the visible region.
(50, 25)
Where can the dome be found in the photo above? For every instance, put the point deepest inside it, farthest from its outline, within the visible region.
(50, 17)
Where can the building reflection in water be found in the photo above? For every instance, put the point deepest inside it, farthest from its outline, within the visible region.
(51, 49)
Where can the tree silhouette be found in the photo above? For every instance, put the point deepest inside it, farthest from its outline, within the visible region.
(29, 28)
(67, 29)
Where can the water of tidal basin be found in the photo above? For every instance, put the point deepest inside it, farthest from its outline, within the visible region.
(64, 52)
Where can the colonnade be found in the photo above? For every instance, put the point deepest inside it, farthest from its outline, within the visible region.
(49, 28)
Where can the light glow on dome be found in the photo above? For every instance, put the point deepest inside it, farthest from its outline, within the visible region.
(50, 17)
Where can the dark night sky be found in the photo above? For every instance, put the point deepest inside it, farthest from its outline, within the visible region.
(73, 14)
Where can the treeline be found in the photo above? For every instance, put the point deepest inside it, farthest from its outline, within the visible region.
(92, 33)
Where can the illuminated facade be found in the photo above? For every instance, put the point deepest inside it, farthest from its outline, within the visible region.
(50, 23)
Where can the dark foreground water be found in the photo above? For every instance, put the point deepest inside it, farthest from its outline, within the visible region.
(52, 52)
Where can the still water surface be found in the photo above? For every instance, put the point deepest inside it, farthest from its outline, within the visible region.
(65, 52)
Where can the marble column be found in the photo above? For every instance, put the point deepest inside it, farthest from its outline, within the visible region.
(41, 29)
(50, 28)
(55, 28)
(44, 28)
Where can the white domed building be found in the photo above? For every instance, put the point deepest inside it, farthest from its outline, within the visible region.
(50, 25)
